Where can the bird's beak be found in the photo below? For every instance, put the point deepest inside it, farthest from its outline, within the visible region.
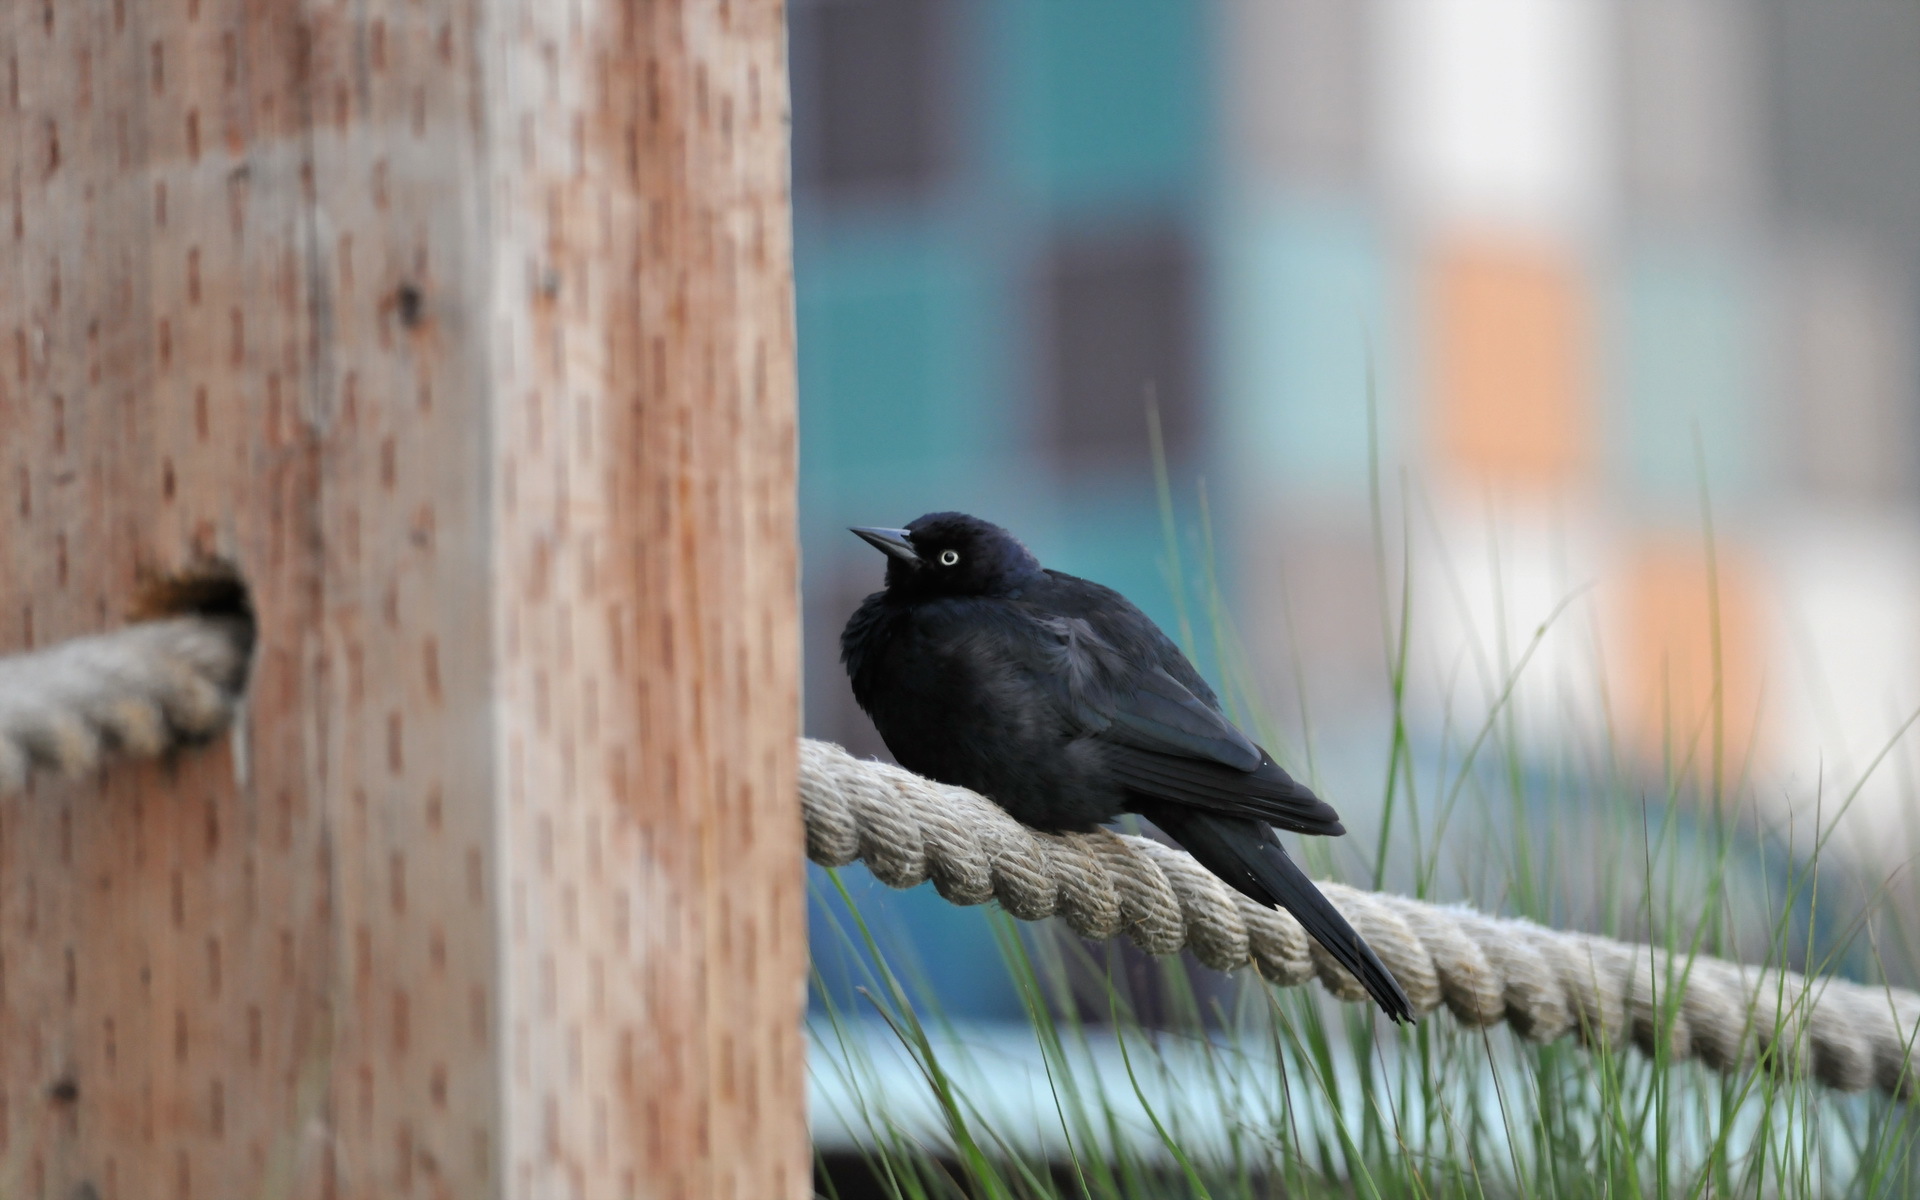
(896, 542)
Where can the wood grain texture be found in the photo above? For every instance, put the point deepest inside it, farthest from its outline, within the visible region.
(463, 328)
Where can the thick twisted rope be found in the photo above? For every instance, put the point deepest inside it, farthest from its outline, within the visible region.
(1545, 983)
(142, 690)
(152, 687)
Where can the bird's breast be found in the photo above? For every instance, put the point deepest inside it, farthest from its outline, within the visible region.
(965, 707)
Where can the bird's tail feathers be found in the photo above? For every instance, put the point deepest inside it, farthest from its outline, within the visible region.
(1246, 854)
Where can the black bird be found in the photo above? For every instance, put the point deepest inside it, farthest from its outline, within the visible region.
(1068, 706)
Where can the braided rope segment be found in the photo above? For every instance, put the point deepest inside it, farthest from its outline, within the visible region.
(142, 690)
(1545, 983)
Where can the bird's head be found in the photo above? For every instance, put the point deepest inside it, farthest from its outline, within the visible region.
(952, 554)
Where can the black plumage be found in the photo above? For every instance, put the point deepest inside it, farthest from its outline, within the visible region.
(1066, 705)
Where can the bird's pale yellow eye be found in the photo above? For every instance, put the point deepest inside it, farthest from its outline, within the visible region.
(949, 557)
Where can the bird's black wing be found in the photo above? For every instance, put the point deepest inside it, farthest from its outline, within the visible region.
(1165, 743)
(1183, 766)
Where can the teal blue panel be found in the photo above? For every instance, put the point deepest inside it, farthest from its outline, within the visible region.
(1104, 98)
(946, 956)
(1310, 327)
(1682, 353)
(890, 342)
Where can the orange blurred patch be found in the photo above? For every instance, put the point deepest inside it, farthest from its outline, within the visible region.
(1685, 692)
(1511, 363)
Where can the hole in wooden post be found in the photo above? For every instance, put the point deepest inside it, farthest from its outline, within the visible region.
(207, 589)
(211, 588)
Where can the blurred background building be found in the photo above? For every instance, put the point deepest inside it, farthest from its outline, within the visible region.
(1614, 299)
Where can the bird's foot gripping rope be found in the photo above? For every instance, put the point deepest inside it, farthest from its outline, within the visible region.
(1545, 983)
(152, 687)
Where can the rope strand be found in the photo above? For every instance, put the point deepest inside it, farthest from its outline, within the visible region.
(142, 691)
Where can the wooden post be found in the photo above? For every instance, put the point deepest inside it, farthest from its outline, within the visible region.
(462, 328)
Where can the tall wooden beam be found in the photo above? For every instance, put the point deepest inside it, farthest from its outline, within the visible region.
(462, 329)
